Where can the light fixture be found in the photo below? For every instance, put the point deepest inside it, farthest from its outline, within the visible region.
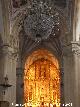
(5, 84)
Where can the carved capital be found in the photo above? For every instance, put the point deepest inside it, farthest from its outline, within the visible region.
(7, 50)
(71, 49)
(76, 48)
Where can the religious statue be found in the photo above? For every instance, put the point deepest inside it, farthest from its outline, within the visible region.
(42, 72)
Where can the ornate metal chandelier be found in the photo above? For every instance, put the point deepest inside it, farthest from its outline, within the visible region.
(40, 21)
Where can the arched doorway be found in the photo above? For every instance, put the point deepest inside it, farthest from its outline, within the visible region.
(42, 80)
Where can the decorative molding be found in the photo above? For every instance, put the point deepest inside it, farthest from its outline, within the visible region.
(72, 48)
(14, 42)
(11, 52)
(76, 47)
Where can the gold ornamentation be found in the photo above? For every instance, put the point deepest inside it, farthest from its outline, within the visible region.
(42, 84)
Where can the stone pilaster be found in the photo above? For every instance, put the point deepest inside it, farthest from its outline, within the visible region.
(1, 72)
(71, 73)
(9, 58)
(19, 81)
(76, 51)
(62, 86)
(19, 86)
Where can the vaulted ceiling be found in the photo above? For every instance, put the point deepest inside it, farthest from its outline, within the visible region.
(19, 9)
(38, 22)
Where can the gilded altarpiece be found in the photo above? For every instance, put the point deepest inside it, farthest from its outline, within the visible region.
(42, 84)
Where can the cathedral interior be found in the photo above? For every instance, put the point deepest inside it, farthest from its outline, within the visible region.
(39, 53)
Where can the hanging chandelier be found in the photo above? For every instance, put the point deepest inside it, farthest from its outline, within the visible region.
(40, 20)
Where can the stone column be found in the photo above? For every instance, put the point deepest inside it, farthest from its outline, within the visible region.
(76, 51)
(1, 73)
(20, 86)
(62, 86)
(9, 56)
(71, 72)
(20, 82)
(76, 21)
